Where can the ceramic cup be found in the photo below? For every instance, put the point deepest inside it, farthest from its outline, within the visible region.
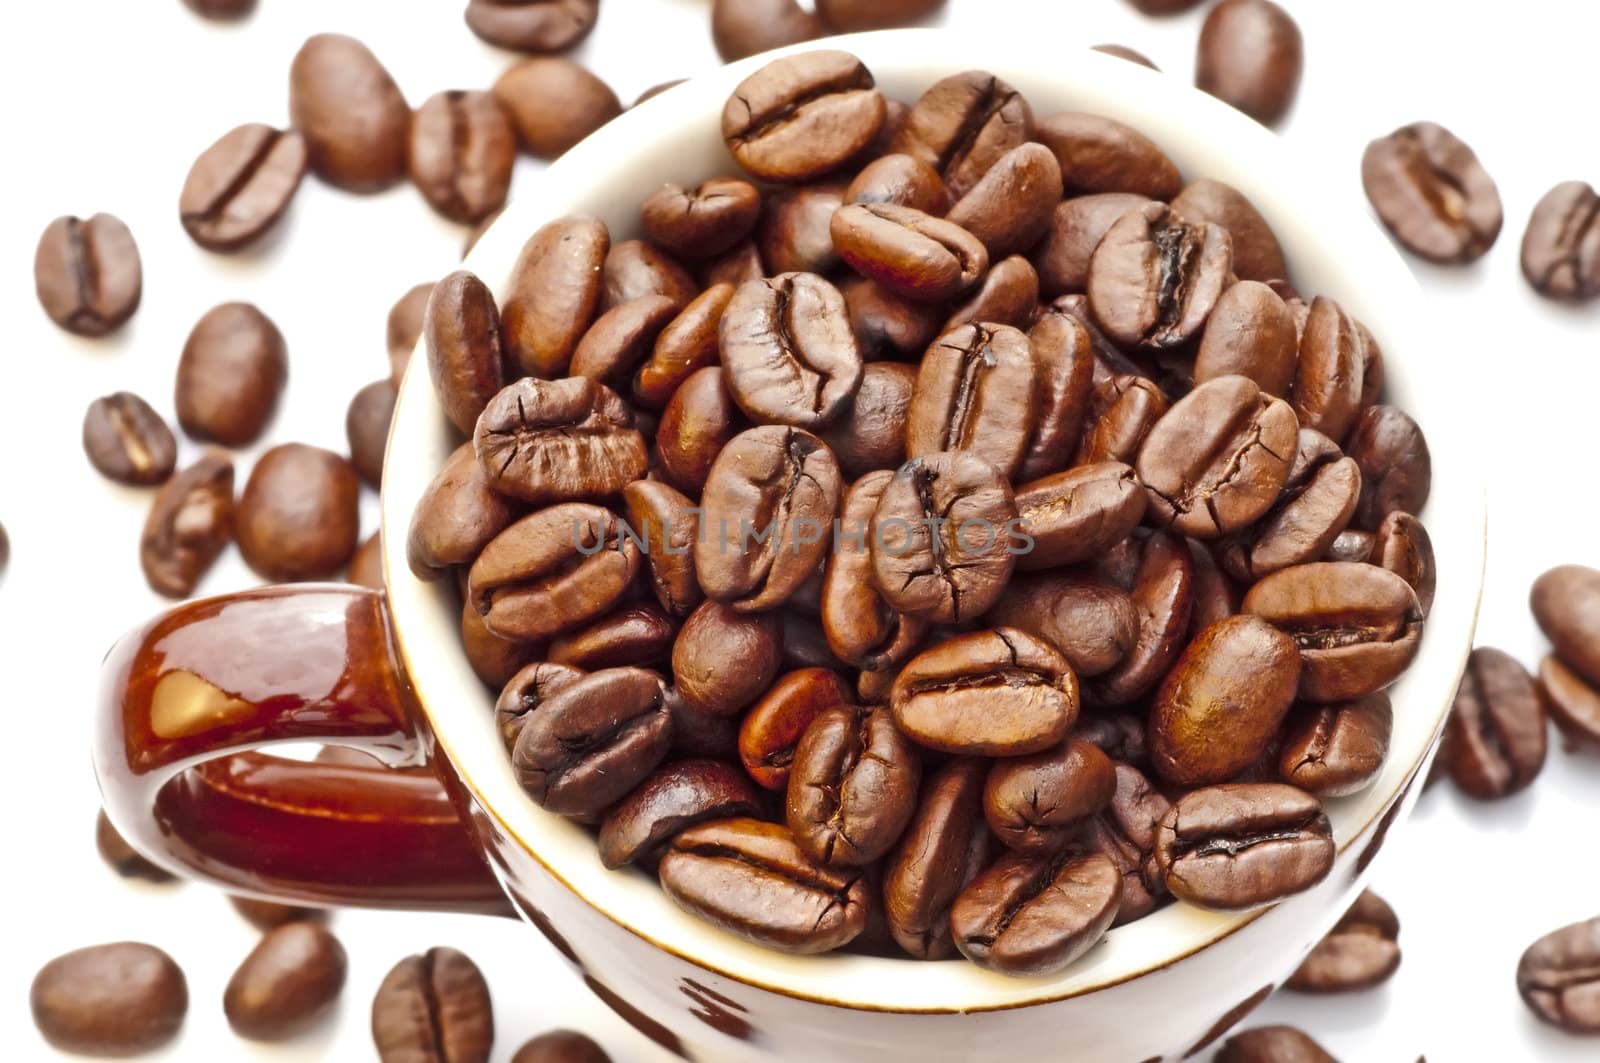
(188, 697)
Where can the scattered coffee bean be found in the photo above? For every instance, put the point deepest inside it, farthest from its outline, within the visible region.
(854, 16)
(128, 442)
(1432, 193)
(366, 426)
(433, 1007)
(189, 523)
(1243, 845)
(561, 1046)
(366, 568)
(221, 9)
(1250, 56)
(533, 25)
(240, 186)
(1557, 977)
(298, 517)
(1273, 1044)
(351, 113)
(742, 28)
(1495, 740)
(1561, 248)
(87, 274)
(232, 370)
(264, 915)
(117, 999)
(1359, 952)
(1573, 704)
(460, 154)
(290, 978)
(123, 858)
(553, 103)
(1566, 604)
(405, 329)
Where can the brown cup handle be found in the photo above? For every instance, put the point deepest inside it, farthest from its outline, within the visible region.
(185, 699)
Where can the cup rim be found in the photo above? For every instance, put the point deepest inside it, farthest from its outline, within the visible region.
(1098, 82)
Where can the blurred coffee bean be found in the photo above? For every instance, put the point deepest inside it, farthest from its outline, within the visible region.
(122, 857)
(1359, 952)
(1566, 603)
(561, 1046)
(351, 113)
(433, 1007)
(1432, 193)
(366, 427)
(742, 28)
(87, 274)
(289, 979)
(128, 442)
(533, 25)
(553, 103)
(297, 517)
(1495, 740)
(460, 154)
(264, 915)
(230, 375)
(1273, 1044)
(109, 1000)
(1250, 55)
(1573, 704)
(241, 185)
(1557, 977)
(405, 329)
(1561, 248)
(190, 521)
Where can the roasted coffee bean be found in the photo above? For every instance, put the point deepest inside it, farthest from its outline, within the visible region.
(723, 660)
(795, 232)
(1336, 750)
(405, 329)
(1162, 592)
(1432, 193)
(1122, 51)
(1495, 740)
(240, 186)
(526, 693)
(1218, 459)
(742, 28)
(1317, 502)
(1257, 256)
(461, 328)
(999, 693)
(639, 634)
(1250, 55)
(1090, 621)
(903, 180)
(1359, 952)
(853, 16)
(801, 116)
(1164, 7)
(351, 113)
(87, 274)
(533, 25)
(1223, 701)
(1402, 546)
(1372, 373)
(494, 660)
(852, 787)
(1155, 276)
(551, 440)
(117, 999)
(552, 571)
(861, 627)
(1032, 915)
(1063, 356)
(1327, 383)
(1273, 1044)
(231, 372)
(620, 340)
(684, 345)
(1358, 626)
(1243, 845)
(561, 1046)
(1036, 804)
(460, 154)
(1352, 544)
(789, 352)
(553, 103)
(942, 538)
(1076, 515)
(773, 728)
(698, 422)
(1396, 468)
(1566, 603)
(433, 1008)
(666, 521)
(590, 743)
(1561, 248)
(751, 879)
(871, 435)
(768, 511)
(1099, 154)
(292, 976)
(962, 126)
(1215, 595)
(734, 267)
(1076, 228)
(944, 848)
(1122, 412)
(366, 568)
(887, 325)
(1010, 206)
(907, 251)
(265, 915)
(190, 522)
(366, 428)
(676, 796)
(975, 393)
(1251, 333)
(1007, 295)
(1126, 832)
(635, 269)
(298, 516)
(554, 292)
(123, 858)
(221, 9)
(1557, 977)
(702, 222)
(456, 517)
(1573, 704)
(128, 442)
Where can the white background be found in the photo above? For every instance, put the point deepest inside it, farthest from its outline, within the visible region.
(108, 101)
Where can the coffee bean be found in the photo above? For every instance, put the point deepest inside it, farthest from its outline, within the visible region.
(860, 626)
(351, 113)
(1063, 355)
(1557, 977)
(1036, 804)
(1561, 248)
(1573, 704)
(87, 274)
(1215, 595)
(553, 440)
(1155, 276)
(123, 858)
(685, 345)
(1164, 7)
(5, 549)
(1162, 591)
(221, 9)
(1327, 384)
(1251, 333)
(802, 116)
(240, 186)
(903, 180)
(773, 727)
(561, 1046)
(1243, 845)
(1122, 412)
(1100, 154)
(553, 295)
(1318, 500)
(1257, 255)
(1033, 915)
(189, 523)
(1076, 228)
(794, 234)
(1250, 55)
(735, 267)
(1122, 51)
(433, 1008)
(789, 352)
(962, 126)
(1358, 953)
(1075, 515)
(702, 222)
(723, 660)
(494, 660)
(293, 975)
(698, 422)
(999, 693)
(526, 693)
(553, 103)
(975, 393)
(621, 339)
(1336, 750)
(1402, 546)
(366, 568)
(1273, 1044)
(668, 524)
(1432, 193)
(460, 154)
(742, 28)
(638, 633)
(1566, 603)
(673, 798)
(230, 375)
(265, 915)
(887, 325)
(853, 16)
(552, 571)
(461, 328)
(852, 787)
(533, 25)
(405, 329)
(1090, 621)
(1352, 544)
(117, 999)
(298, 517)
(456, 517)
(1495, 740)
(366, 426)
(1007, 295)
(1010, 206)
(944, 848)
(907, 251)
(1126, 831)
(752, 880)
(635, 269)
(871, 433)
(1396, 467)
(128, 442)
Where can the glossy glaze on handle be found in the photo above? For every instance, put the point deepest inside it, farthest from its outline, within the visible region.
(187, 697)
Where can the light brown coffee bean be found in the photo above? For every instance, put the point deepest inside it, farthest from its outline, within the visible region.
(351, 113)
(117, 999)
(230, 375)
(298, 517)
(460, 154)
(87, 274)
(291, 977)
(241, 185)
(553, 295)
(802, 116)
(553, 103)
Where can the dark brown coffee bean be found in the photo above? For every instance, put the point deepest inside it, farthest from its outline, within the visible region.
(723, 660)
(962, 126)
(231, 372)
(1557, 977)
(1126, 832)
(772, 729)
(1155, 276)
(1272, 1044)
(1495, 741)
(1432, 193)
(1223, 701)
(887, 325)
(635, 269)
(907, 251)
(494, 660)
(526, 693)
(1036, 804)
(1244, 845)
(351, 113)
(637, 634)
(366, 568)
(1352, 544)
(999, 693)
(861, 627)
(561, 1046)
(1032, 915)
(1573, 704)
(1122, 412)
(265, 915)
(461, 328)
(853, 16)
(976, 392)
(1162, 589)
(1402, 546)
(742, 28)
(621, 339)
(1099, 154)
(1007, 295)
(1122, 51)
(735, 267)
(789, 352)
(1566, 603)
(1075, 515)
(292, 976)
(240, 186)
(456, 517)
(872, 432)
(1250, 56)
(123, 858)
(1215, 595)
(1358, 626)
(1327, 383)
(684, 345)
(802, 116)
(702, 222)
(366, 427)
(552, 571)
(221, 9)
(795, 234)
(117, 999)
(1090, 621)
(699, 420)
(852, 787)
(667, 523)
(903, 180)
(405, 329)
(1251, 333)
(460, 154)
(1358, 953)
(1063, 355)
(87, 274)
(552, 440)
(1257, 256)
(1076, 228)
(1318, 500)
(1396, 467)
(433, 1008)
(944, 848)
(1561, 248)
(128, 442)
(676, 796)
(298, 516)
(533, 25)
(553, 103)
(554, 292)
(1011, 205)
(1336, 750)
(190, 522)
